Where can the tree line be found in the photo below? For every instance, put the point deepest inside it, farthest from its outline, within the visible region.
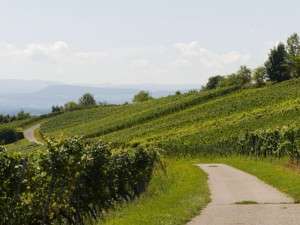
(283, 63)
(10, 118)
(86, 100)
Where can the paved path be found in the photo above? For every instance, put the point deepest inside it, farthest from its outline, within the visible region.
(229, 186)
(29, 134)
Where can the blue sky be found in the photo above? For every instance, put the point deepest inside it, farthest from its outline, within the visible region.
(133, 41)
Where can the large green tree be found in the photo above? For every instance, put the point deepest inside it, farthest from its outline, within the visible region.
(277, 65)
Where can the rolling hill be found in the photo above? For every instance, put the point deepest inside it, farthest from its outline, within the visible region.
(186, 122)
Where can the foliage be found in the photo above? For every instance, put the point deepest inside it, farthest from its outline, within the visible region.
(241, 78)
(175, 195)
(2, 149)
(276, 143)
(213, 82)
(73, 179)
(8, 118)
(259, 76)
(9, 135)
(57, 109)
(293, 45)
(70, 106)
(295, 66)
(142, 96)
(87, 100)
(277, 68)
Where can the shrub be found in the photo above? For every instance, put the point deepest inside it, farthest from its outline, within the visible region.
(73, 179)
(70, 106)
(213, 82)
(276, 143)
(142, 96)
(9, 135)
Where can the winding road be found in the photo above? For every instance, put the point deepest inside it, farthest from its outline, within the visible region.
(231, 190)
(29, 134)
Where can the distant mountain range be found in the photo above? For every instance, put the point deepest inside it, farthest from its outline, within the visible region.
(37, 97)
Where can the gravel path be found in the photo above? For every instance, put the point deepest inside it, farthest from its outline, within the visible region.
(229, 186)
(29, 134)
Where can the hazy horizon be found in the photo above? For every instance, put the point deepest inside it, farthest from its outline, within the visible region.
(134, 42)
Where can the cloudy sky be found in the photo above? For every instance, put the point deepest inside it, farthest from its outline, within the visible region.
(138, 41)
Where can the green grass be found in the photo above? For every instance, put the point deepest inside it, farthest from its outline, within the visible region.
(24, 147)
(179, 196)
(173, 198)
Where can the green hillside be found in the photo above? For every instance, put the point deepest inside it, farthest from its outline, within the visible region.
(186, 122)
(208, 121)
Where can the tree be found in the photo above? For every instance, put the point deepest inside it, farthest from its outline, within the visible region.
(87, 100)
(213, 82)
(22, 115)
(259, 75)
(295, 67)
(277, 68)
(69, 106)
(142, 96)
(293, 45)
(243, 75)
(57, 109)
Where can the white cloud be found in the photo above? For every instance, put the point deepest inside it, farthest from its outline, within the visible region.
(194, 52)
(56, 52)
(178, 63)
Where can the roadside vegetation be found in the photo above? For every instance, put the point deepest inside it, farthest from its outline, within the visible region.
(175, 195)
(70, 181)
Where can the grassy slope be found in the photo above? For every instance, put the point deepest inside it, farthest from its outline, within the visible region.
(172, 198)
(192, 120)
(104, 120)
(187, 121)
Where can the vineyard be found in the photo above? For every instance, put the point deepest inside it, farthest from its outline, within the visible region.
(190, 123)
(70, 181)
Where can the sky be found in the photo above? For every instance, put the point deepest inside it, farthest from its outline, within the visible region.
(138, 41)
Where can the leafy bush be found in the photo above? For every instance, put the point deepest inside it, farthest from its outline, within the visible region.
(73, 179)
(9, 135)
(87, 100)
(276, 143)
(142, 96)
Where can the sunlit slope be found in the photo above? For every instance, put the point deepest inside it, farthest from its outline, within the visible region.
(183, 123)
(106, 119)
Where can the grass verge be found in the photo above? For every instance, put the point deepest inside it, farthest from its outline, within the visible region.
(172, 198)
(276, 172)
